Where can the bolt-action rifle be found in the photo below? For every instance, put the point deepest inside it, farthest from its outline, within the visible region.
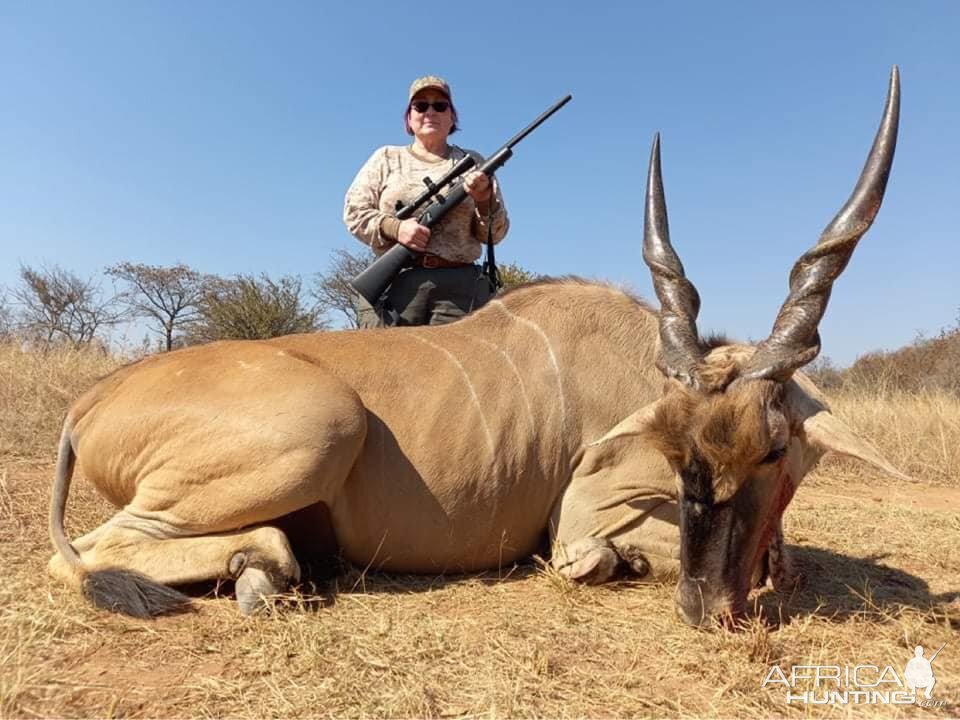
(373, 282)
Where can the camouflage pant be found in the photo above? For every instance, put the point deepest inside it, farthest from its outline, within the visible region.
(427, 296)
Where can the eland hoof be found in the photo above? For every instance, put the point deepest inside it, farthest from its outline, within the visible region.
(788, 582)
(590, 560)
(637, 564)
(784, 577)
(255, 591)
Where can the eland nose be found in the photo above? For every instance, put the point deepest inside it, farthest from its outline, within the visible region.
(690, 603)
(698, 605)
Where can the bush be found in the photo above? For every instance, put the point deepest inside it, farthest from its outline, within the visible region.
(247, 308)
(928, 364)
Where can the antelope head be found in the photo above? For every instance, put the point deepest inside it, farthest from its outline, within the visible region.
(739, 427)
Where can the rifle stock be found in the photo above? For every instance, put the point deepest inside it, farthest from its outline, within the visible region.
(375, 279)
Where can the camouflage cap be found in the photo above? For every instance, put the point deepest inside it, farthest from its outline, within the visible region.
(430, 81)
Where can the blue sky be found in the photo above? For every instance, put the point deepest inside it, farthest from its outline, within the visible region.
(224, 135)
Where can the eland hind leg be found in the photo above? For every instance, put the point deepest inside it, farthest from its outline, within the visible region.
(130, 566)
(210, 474)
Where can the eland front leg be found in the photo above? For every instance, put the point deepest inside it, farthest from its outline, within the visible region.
(618, 515)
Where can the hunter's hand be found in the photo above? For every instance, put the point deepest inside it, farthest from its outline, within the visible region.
(479, 186)
(414, 235)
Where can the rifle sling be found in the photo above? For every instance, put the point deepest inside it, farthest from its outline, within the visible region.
(490, 262)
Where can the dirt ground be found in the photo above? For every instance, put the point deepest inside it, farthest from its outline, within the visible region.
(882, 562)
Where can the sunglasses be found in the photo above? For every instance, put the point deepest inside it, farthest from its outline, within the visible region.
(421, 106)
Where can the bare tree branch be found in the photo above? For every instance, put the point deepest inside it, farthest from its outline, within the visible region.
(332, 290)
(56, 305)
(6, 315)
(168, 296)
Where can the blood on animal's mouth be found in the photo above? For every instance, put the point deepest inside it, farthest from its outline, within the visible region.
(785, 492)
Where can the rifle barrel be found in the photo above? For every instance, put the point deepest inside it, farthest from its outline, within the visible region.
(533, 126)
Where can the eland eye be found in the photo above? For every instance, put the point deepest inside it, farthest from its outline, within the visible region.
(774, 455)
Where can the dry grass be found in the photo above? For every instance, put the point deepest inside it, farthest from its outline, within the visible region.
(519, 643)
(36, 387)
(918, 432)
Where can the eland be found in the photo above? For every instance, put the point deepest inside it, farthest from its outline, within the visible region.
(562, 409)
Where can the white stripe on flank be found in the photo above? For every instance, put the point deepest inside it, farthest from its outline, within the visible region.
(550, 353)
(513, 369)
(466, 377)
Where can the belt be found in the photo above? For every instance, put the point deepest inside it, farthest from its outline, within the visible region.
(426, 260)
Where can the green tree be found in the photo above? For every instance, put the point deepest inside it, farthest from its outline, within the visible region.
(513, 274)
(250, 308)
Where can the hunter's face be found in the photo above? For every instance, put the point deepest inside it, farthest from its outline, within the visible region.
(430, 122)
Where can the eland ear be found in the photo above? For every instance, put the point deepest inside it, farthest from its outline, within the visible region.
(635, 424)
(825, 432)
(830, 434)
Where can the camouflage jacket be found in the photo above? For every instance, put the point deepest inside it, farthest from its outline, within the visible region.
(395, 174)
